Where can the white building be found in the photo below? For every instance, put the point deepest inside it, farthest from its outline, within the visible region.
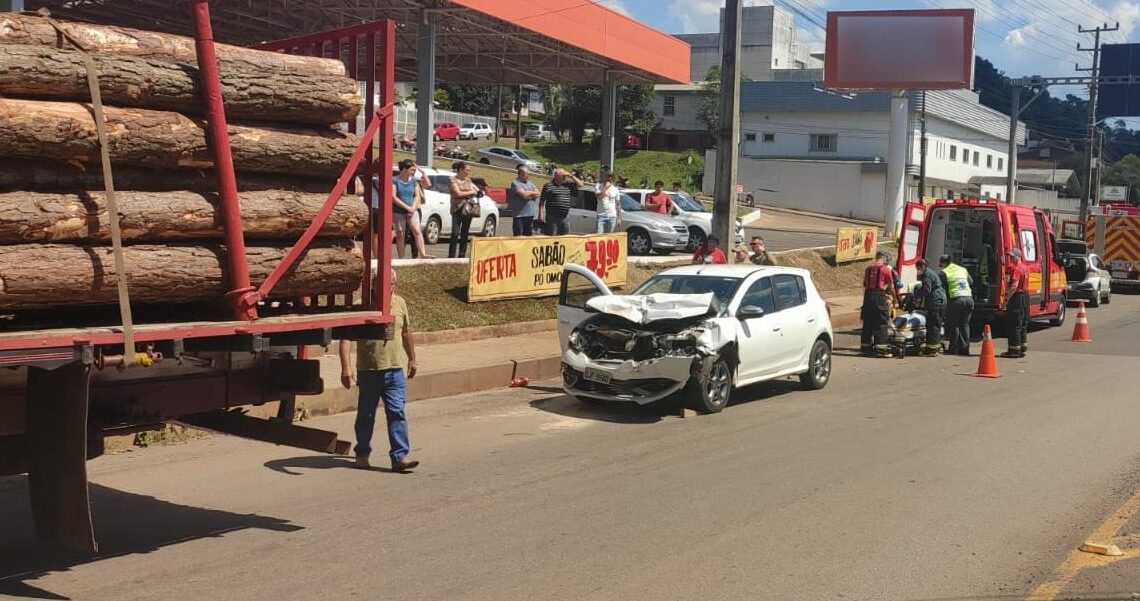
(676, 107)
(806, 148)
(767, 43)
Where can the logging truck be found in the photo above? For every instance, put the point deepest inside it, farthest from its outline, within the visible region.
(190, 288)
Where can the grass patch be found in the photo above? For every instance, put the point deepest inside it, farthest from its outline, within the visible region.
(437, 299)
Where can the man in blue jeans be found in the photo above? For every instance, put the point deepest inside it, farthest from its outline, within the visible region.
(380, 373)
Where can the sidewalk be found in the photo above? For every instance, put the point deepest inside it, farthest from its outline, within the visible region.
(469, 361)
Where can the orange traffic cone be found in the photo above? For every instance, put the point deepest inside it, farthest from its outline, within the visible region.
(1081, 331)
(987, 363)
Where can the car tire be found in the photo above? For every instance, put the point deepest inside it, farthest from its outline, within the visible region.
(1059, 319)
(1108, 296)
(697, 238)
(490, 227)
(819, 366)
(710, 394)
(1094, 301)
(484, 161)
(489, 136)
(638, 242)
(432, 229)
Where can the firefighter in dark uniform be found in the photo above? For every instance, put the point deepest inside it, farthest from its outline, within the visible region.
(933, 296)
(878, 281)
(1016, 305)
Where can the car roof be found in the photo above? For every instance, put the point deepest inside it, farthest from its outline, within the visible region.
(736, 271)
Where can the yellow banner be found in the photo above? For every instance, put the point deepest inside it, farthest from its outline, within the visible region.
(532, 266)
(856, 243)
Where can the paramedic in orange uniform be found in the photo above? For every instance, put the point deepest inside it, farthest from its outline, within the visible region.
(878, 281)
(1016, 304)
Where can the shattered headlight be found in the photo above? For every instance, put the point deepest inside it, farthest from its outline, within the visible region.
(575, 342)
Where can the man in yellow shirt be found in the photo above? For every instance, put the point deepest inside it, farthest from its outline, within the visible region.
(380, 373)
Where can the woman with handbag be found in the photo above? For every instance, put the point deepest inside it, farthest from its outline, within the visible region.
(465, 197)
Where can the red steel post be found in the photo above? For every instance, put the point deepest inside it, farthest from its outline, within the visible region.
(387, 98)
(241, 296)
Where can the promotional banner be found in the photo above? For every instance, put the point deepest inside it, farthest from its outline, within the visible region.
(856, 243)
(532, 265)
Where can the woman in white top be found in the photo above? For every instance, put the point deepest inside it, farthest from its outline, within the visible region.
(609, 205)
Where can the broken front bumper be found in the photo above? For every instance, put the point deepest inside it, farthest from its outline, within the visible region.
(641, 382)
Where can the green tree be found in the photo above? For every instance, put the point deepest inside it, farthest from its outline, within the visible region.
(1125, 172)
(578, 108)
(477, 100)
(708, 102)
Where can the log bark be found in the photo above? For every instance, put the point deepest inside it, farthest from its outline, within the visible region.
(51, 73)
(66, 131)
(44, 276)
(60, 176)
(35, 217)
(29, 29)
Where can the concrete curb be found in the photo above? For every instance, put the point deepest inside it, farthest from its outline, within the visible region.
(484, 332)
(821, 215)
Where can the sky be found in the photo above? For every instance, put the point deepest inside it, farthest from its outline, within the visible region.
(1021, 37)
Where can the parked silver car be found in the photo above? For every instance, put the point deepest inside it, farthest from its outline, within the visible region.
(1088, 279)
(692, 213)
(645, 231)
(510, 158)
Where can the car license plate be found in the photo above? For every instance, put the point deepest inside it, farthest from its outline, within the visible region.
(596, 375)
(1120, 275)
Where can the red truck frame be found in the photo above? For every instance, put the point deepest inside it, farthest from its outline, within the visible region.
(78, 384)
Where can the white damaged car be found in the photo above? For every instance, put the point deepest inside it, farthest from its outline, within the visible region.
(699, 331)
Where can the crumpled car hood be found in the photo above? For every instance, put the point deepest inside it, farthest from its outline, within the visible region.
(648, 308)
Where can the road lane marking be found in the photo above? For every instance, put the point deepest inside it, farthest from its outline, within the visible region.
(1078, 560)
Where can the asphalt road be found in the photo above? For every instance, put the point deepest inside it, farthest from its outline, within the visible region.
(789, 239)
(902, 480)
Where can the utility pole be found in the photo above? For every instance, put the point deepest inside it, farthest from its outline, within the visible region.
(518, 118)
(1011, 160)
(1090, 195)
(922, 156)
(728, 130)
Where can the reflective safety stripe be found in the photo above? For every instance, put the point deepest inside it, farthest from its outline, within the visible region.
(959, 281)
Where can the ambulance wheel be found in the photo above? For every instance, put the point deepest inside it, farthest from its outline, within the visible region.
(1059, 319)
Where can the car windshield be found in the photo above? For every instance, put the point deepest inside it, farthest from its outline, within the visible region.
(722, 287)
(468, 126)
(628, 204)
(688, 203)
(522, 155)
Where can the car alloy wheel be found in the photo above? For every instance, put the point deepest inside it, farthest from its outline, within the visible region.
(489, 227)
(432, 229)
(638, 242)
(710, 393)
(697, 238)
(819, 366)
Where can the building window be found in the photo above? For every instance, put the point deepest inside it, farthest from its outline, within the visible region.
(769, 137)
(953, 152)
(670, 105)
(1001, 164)
(749, 137)
(989, 161)
(966, 155)
(823, 142)
(976, 158)
(999, 196)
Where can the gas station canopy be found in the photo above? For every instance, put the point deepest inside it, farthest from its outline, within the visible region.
(477, 41)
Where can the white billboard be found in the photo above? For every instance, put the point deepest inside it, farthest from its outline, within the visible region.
(1114, 193)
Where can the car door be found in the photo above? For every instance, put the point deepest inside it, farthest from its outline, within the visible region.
(584, 213)
(579, 285)
(799, 323)
(760, 338)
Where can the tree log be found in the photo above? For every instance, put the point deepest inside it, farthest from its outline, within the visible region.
(28, 29)
(43, 276)
(60, 176)
(34, 217)
(51, 73)
(144, 138)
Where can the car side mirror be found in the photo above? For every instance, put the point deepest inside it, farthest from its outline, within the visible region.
(750, 311)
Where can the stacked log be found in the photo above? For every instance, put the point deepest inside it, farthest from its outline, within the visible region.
(285, 114)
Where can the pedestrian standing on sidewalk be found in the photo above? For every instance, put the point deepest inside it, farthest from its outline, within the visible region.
(759, 254)
(555, 202)
(960, 309)
(522, 198)
(609, 205)
(710, 253)
(933, 296)
(465, 197)
(406, 202)
(1016, 305)
(382, 370)
(878, 282)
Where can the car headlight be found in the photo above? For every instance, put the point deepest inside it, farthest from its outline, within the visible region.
(659, 226)
(575, 342)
